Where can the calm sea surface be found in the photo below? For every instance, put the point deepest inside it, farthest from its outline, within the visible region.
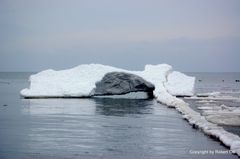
(226, 85)
(99, 128)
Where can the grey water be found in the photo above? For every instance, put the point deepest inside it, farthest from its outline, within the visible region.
(95, 128)
(226, 83)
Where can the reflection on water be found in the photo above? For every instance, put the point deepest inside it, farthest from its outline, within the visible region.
(94, 128)
(59, 107)
(119, 128)
(122, 107)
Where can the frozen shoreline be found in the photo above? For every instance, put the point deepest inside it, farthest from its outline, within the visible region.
(197, 121)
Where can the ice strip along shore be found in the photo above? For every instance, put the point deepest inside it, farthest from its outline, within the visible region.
(81, 80)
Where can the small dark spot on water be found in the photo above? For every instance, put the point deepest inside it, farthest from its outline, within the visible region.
(110, 149)
(5, 105)
(199, 80)
(237, 80)
(3, 82)
(222, 80)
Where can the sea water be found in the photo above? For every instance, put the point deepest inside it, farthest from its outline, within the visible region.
(95, 128)
(228, 87)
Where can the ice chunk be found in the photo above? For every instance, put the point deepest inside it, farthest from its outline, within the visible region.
(75, 82)
(228, 118)
(179, 84)
(80, 81)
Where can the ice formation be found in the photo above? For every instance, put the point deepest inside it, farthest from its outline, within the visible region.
(80, 81)
(220, 114)
(177, 87)
(195, 119)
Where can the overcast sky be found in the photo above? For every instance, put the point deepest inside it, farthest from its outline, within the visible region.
(190, 35)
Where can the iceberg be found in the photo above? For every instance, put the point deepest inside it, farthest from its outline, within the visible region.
(80, 81)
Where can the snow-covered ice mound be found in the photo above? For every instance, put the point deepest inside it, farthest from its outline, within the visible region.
(81, 80)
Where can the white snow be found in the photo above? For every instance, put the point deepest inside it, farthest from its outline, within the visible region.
(75, 82)
(175, 80)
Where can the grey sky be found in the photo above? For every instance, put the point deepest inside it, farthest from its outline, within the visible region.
(190, 35)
